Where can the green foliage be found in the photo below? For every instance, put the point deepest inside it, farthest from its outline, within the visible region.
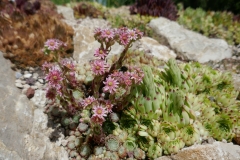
(214, 5)
(186, 112)
(211, 24)
(118, 3)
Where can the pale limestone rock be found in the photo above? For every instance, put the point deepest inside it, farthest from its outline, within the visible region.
(156, 49)
(24, 134)
(189, 44)
(215, 151)
(67, 12)
(39, 98)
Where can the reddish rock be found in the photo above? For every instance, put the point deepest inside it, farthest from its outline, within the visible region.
(30, 92)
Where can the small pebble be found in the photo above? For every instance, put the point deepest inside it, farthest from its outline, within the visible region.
(35, 75)
(25, 72)
(34, 87)
(26, 86)
(27, 75)
(38, 84)
(210, 140)
(30, 92)
(19, 85)
(41, 81)
(18, 75)
(24, 90)
(64, 142)
(31, 69)
(224, 141)
(18, 81)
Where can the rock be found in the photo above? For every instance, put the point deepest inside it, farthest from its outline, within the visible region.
(18, 81)
(6, 154)
(67, 12)
(18, 75)
(84, 41)
(30, 93)
(38, 84)
(156, 49)
(39, 98)
(189, 44)
(41, 81)
(35, 75)
(236, 81)
(19, 85)
(21, 137)
(27, 75)
(26, 86)
(216, 151)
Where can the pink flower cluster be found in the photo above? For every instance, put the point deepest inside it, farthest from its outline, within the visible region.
(87, 101)
(53, 45)
(122, 35)
(99, 67)
(125, 79)
(99, 109)
(68, 63)
(54, 77)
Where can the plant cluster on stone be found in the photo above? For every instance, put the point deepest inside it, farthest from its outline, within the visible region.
(181, 106)
(156, 8)
(91, 107)
(212, 24)
(22, 36)
(88, 9)
(114, 110)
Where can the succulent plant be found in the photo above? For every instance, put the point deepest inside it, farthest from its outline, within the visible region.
(88, 9)
(164, 8)
(112, 143)
(85, 150)
(122, 152)
(20, 43)
(213, 24)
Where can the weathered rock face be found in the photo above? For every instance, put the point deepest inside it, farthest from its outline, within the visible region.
(189, 44)
(215, 151)
(24, 132)
(153, 47)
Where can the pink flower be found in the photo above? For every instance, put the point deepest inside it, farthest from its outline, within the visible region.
(124, 38)
(69, 63)
(46, 66)
(108, 106)
(98, 120)
(54, 44)
(87, 101)
(100, 53)
(99, 111)
(127, 78)
(108, 34)
(99, 67)
(110, 85)
(132, 34)
(139, 33)
(54, 77)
